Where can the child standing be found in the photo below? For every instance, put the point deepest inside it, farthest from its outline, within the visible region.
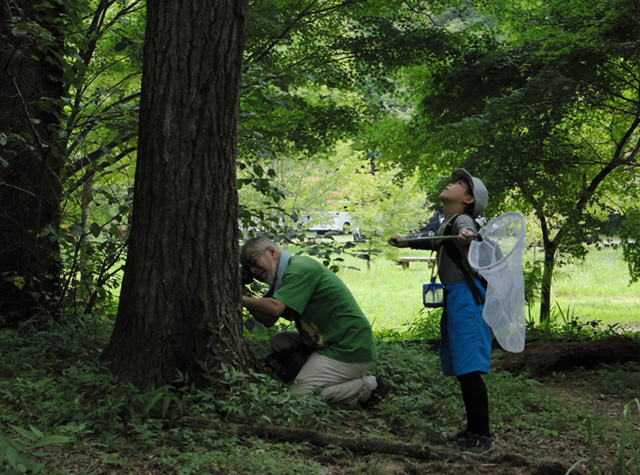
(465, 350)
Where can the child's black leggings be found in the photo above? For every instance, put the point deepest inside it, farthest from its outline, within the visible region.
(476, 403)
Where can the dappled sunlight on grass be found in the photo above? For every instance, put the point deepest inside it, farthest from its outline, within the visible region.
(596, 290)
(599, 289)
(389, 295)
(603, 273)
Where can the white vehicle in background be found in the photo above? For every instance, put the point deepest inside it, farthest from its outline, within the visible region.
(338, 221)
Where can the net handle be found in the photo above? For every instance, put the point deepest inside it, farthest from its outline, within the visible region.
(436, 238)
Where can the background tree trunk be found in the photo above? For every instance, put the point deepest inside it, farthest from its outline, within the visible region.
(30, 160)
(180, 300)
(86, 197)
(547, 277)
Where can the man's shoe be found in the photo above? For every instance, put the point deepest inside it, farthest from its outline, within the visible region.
(478, 445)
(460, 437)
(384, 387)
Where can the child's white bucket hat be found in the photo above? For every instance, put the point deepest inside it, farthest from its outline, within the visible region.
(478, 190)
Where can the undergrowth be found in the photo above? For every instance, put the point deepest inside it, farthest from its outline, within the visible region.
(61, 411)
(564, 323)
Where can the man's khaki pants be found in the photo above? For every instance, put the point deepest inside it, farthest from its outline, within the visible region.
(338, 382)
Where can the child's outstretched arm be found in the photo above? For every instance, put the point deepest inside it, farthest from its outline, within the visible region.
(398, 241)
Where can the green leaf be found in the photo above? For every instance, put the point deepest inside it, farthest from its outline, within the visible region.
(76, 229)
(36, 431)
(40, 453)
(258, 171)
(17, 31)
(25, 433)
(45, 105)
(54, 439)
(12, 456)
(95, 229)
(120, 46)
(153, 401)
(165, 405)
(21, 463)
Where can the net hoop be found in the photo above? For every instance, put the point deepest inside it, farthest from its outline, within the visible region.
(498, 258)
(495, 223)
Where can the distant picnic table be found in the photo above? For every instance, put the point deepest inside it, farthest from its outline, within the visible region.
(404, 261)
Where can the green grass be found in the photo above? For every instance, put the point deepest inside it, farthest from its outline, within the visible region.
(389, 295)
(596, 289)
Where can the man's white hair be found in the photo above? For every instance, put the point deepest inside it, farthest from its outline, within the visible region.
(253, 245)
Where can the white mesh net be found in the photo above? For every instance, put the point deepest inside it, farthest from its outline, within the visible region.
(498, 258)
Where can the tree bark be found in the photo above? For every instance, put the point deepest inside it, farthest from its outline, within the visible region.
(547, 276)
(30, 160)
(180, 299)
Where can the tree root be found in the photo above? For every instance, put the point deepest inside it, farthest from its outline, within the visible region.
(450, 458)
(320, 439)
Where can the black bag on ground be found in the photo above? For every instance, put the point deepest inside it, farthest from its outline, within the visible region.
(288, 362)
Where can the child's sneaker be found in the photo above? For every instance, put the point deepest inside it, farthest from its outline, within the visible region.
(478, 444)
(460, 437)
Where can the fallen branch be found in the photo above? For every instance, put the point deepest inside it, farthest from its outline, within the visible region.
(543, 357)
(320, 439)
(454, 456)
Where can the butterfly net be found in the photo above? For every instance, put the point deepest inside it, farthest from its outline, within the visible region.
(498, 258)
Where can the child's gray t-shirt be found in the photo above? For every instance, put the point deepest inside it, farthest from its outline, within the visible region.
(448, 271)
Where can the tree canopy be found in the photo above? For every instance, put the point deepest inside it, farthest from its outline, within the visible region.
(541, 101)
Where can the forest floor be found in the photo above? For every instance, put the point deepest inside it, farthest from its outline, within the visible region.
(534, 456)
(572, 386)
(360, 441)
(512, 455)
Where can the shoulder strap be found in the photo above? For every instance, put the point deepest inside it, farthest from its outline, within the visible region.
(454, 254)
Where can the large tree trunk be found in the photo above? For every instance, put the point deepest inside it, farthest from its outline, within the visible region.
(30, 161)
(180, 300)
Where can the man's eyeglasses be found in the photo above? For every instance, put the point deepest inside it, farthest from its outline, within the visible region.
(251, 262)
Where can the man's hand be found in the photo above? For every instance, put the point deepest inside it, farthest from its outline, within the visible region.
(246, 277)
(266, 310)
(398, 241)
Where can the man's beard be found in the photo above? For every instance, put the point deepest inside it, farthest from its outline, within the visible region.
(271, 276)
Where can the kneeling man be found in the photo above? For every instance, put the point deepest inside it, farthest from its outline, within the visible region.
(328, 321)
